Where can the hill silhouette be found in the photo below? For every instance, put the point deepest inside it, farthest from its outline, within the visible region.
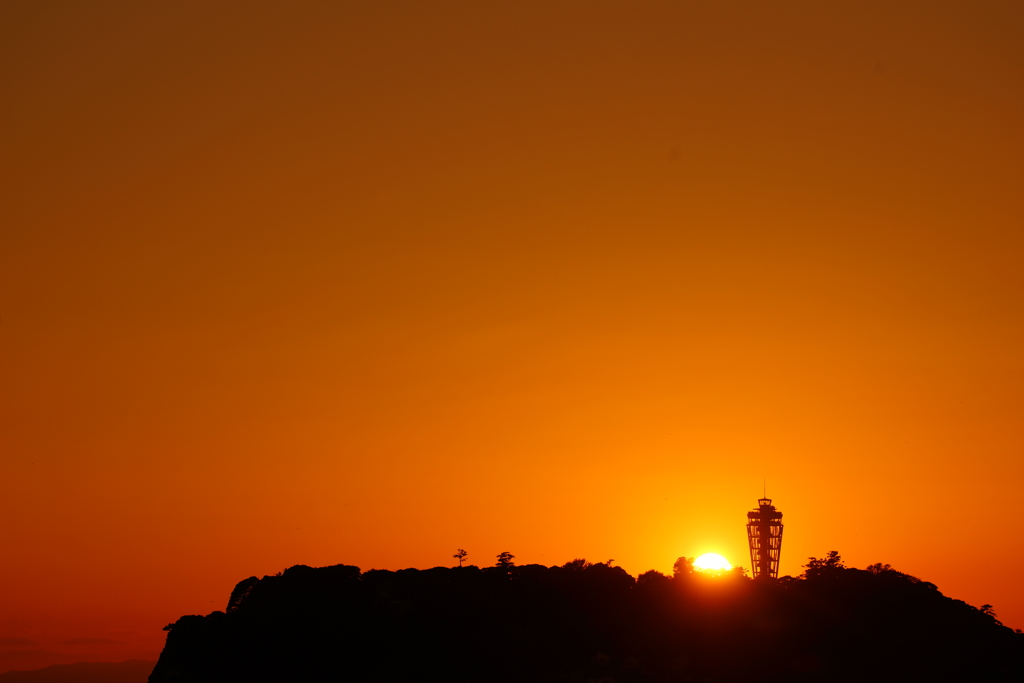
(587, 621)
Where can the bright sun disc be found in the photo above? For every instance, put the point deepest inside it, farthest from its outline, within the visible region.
(711, 562)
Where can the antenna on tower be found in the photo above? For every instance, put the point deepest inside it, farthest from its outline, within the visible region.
(764, 487)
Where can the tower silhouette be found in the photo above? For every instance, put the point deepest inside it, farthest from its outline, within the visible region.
(764, 534)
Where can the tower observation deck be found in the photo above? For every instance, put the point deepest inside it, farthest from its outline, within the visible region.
(764, 534)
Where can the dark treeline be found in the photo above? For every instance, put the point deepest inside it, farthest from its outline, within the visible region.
(590, 622)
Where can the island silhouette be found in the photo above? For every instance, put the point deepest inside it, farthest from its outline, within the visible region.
(590, 622)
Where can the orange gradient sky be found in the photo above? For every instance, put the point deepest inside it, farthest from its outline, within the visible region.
(364, 283)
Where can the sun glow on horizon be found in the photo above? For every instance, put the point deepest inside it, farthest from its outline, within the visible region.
(711, 562)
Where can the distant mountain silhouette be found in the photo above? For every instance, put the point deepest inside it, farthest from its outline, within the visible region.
(584, 622)
(132, 671)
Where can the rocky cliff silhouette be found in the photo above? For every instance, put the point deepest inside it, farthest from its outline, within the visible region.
(589, 622)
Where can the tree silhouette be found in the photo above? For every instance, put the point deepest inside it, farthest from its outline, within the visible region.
(990, 611)
(683, 567)
(828, 566)
(651, 578)
(579, 564)
(460, 556)
(505, 561)
(241, 592)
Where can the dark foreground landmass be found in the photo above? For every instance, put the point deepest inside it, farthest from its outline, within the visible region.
(132, 671)
(589, 622)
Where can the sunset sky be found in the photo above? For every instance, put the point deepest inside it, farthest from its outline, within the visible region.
(324, 282)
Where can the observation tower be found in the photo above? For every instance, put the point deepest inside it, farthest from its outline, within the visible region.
(764, 534)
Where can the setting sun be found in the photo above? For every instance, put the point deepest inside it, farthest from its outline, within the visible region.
(711, 562)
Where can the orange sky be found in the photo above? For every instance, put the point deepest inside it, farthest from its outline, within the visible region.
(364, 283)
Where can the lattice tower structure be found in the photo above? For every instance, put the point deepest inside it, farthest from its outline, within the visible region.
(764, 534)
